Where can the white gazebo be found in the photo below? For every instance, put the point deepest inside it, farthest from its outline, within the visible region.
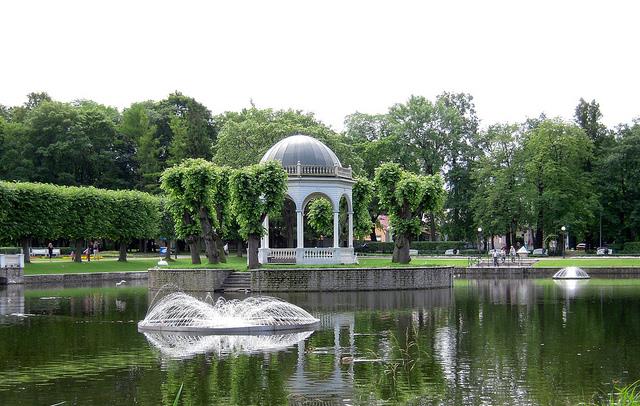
(314, 171)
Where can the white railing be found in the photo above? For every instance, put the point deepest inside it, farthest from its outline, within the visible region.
(303, 256)
(317, 170)
(12, 261)
(283, 253)
(316, 253)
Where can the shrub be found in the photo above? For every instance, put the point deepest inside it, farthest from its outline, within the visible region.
(632, 247)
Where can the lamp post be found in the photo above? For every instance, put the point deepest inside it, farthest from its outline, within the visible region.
(564, 229)
(479, 240)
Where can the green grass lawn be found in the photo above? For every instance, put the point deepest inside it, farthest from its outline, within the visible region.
(588, 262)
(57, 266)
(44, 266)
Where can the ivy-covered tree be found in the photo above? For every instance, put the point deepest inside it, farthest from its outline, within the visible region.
(406, 197)
(257, 191)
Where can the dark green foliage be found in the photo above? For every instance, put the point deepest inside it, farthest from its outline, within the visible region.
(246, 136)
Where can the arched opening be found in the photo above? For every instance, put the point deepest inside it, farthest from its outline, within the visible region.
(283, 229)
(314, 238)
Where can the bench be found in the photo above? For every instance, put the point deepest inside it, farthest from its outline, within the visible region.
(43, 252)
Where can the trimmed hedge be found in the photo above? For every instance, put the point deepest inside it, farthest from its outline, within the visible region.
(423, 247)
(43, 211)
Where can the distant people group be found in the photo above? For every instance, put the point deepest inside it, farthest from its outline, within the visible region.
(500, 256)
(93, 249)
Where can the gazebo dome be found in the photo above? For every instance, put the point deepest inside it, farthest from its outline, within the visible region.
(306, 150)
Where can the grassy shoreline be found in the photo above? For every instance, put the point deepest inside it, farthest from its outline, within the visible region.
(58, 266)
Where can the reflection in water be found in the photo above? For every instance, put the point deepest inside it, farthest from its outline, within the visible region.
(182, 346)
(11, 300)
(571, 286)
(484, 342)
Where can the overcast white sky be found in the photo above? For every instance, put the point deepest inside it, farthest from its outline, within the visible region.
(517, 58)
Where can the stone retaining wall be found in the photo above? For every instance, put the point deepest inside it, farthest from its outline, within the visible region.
(193, 280)
(11, 275)
(508, 271)
(81, 278)
(350, 279)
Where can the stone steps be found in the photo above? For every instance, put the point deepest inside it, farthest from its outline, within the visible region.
(237, 281)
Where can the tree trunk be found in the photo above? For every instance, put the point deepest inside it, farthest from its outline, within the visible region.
(222, 256)
(372, 235)
(208, 235)
(239, 248)
(26, 249)
(167, 255)
(122, 255)
(78, 245)
(254, 244)
(432, 226)
(401, 249)
(193, 249)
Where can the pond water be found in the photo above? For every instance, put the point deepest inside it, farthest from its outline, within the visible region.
(528, 341)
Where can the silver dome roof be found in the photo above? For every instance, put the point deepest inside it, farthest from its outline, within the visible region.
(304, 149)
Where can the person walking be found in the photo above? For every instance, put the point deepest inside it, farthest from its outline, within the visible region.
(512, 253)
(50, 248)
(495, 257)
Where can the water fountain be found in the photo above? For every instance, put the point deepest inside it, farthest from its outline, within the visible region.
(179, 312)
(571, 272)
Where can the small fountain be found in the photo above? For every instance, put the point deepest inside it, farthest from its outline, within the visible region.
(179, 312)
(571, 272)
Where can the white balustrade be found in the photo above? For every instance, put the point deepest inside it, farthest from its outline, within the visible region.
(316, 170)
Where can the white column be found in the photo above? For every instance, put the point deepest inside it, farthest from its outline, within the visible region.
(350, 229)
(336, 229)
(265, 237)
(299, 228)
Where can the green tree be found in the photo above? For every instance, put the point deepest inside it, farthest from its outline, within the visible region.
(560, 191)
(406, 197)
(136, 126)
(192, 189)
(246, 136)
(432, 136)
(362, 193)
(618, 179)
(499, 204)
(257, 191)
(133, 215)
